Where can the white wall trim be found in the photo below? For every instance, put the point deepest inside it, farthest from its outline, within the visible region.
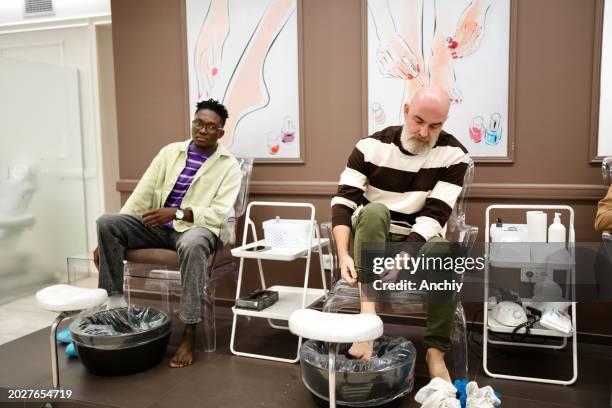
(54, 24)
(59, 44)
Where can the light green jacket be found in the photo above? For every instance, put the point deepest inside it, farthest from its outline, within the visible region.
(211, 195)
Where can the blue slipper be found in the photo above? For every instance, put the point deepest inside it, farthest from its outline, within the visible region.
(64, 336)
(70, 350)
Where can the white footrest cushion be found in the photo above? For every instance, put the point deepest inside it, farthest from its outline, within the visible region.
(335, 327)
(64, 298)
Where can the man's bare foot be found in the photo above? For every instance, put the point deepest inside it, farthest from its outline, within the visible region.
(362, 350)
(436, 364)
(184, 354)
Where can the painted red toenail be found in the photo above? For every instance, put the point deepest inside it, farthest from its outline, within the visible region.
(453, 44)
(214, 71)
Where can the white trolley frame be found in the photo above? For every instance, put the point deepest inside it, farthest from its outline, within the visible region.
(290, 298)
(541, 331)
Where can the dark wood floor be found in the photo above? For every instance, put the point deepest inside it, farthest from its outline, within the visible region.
(221, 379)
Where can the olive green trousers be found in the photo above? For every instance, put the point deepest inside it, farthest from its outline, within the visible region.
(372, 226)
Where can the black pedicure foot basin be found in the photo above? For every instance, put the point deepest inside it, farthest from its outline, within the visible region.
(122, 340)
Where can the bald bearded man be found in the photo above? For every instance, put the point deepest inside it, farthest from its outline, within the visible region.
(400, 184)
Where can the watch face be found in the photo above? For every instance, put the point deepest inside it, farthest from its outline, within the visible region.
(179, 214)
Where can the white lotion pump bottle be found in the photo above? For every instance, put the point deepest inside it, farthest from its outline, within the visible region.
(556, 230)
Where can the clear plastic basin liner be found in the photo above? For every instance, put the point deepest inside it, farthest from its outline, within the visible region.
(389, 374)
(119, 328)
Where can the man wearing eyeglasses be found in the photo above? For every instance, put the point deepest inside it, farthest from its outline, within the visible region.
(179, 203)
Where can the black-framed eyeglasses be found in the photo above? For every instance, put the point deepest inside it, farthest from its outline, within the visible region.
(210, 127)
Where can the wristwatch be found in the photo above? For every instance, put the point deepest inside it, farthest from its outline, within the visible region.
(179, 214)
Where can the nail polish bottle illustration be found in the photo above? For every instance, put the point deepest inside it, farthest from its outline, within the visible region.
(378, 113)
(477, 129)
(494, 132)
(273, 139)
(288, 130)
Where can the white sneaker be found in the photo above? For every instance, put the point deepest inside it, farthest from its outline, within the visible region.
(480, 397)
(438, 393)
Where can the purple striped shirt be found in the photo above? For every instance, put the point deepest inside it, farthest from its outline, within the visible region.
(194, 161)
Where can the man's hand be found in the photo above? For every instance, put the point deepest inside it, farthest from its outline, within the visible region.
(160, 216)
(392, 275)
(347, 269)
(96, 258)
(362, 350)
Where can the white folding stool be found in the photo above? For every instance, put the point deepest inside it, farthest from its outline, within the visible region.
(68, 301)
(335, 328)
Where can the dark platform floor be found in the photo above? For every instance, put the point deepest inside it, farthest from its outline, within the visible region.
(221, 379)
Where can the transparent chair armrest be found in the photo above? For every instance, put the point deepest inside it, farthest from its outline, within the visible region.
(472, 230)
(330, 248)
(227, 231)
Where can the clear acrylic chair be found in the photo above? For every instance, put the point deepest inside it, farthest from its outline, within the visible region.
(343, 296)
(146, 269)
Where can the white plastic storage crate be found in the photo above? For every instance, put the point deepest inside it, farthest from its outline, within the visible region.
(287, 233)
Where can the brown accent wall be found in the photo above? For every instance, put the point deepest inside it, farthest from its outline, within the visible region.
(553, 104)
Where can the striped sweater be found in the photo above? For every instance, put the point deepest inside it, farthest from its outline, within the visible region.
(419, 190)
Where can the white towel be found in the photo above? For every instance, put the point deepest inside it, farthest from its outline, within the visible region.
(480, 397)
(438, 393)
(553, 319)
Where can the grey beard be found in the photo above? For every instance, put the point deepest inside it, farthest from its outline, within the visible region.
(415, 147)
